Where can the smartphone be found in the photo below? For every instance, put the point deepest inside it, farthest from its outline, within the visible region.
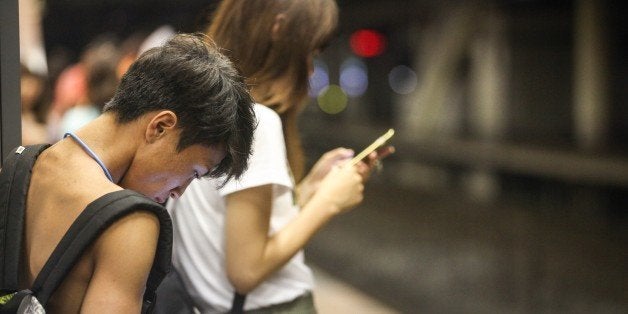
(379, 142)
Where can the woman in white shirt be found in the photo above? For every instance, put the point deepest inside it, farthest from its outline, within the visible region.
(247, 236)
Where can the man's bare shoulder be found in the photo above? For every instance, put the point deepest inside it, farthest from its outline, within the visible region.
(130, 242)
(137, 229)
(119, 263)
(123, 257)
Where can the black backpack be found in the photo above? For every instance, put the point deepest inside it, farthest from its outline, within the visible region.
(97, 216)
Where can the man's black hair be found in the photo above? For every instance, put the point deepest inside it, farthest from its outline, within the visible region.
(189, 76)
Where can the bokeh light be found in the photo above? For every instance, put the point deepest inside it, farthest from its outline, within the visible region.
(402, 79)
(367, 43)
(332, 99)
(353, 77)
(319, 79)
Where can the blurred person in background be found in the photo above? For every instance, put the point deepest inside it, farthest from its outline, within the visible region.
(129, 51)
(32, 52)
(70, 89)
(99, 64)
(248, 236)
(33, 91)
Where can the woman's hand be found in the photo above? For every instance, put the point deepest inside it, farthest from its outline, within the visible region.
(342, 188)
(373, 161)
(308, 186)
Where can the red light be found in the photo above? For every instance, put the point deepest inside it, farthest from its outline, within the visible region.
(367, 43)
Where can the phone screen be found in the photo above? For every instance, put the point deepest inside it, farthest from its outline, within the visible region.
(379, 142)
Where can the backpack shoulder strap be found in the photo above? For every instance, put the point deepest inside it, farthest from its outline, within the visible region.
(14, 182)
(96, 217)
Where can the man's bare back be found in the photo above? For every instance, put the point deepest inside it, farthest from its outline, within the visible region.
(64, 181)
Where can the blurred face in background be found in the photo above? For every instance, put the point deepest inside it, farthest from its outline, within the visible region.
(31, 88)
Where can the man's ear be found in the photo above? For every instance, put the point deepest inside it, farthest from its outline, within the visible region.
(278, 26)
(160, 125)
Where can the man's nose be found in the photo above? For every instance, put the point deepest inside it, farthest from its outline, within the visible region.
(176, 192)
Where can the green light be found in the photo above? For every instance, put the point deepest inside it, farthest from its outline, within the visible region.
(332, 99)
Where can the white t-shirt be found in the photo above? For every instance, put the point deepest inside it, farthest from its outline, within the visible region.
(198, 219)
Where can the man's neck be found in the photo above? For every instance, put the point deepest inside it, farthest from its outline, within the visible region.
(115, 144)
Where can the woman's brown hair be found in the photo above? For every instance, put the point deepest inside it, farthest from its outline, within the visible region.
(271, 42)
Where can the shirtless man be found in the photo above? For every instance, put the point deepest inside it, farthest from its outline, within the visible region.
(181, 112)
